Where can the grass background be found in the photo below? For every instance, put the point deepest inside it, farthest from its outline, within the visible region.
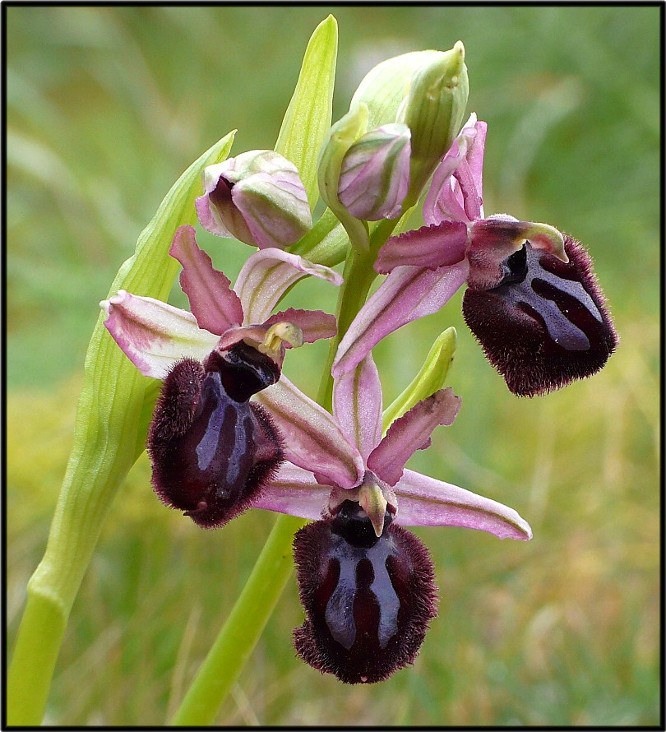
(105, 108)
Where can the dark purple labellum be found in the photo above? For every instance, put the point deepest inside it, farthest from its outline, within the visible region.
(211, 448)
(368, 600)
(546, 323)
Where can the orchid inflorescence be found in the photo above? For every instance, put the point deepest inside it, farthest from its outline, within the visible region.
(230, 432)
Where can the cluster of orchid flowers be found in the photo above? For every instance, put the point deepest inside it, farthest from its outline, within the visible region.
(231, 432)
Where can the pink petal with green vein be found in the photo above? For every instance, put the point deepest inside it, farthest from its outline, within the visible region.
(424, 501)
(430, 246)
(357, 405)
(153, 334)
(214, 304)
(312, 438)
(406, 294)
(296, 492)
(268, 274)
(274, 207)
(412, 432)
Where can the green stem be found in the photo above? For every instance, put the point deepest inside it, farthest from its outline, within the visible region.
(358, 278)
(37, 647)
(326, 243)
(243, 628)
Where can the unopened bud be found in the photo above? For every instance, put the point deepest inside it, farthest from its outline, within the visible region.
(434, 110)
(341, 137)
(374, 176)
(256, 197)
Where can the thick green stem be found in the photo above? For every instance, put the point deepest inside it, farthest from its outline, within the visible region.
(243, 628)
(358, 278)
(37, 647)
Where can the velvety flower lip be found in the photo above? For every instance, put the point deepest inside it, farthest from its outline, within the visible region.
(546, 323)
(155, 335)
(212, 449)
(368, 600)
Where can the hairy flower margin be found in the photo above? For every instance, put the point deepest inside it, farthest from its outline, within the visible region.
(230, 432)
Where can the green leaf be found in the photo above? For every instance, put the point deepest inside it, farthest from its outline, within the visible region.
(430, 378)
(308, 116)
(326, 243)
(110, 426)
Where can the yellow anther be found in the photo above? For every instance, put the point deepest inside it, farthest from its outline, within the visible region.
(278, 334)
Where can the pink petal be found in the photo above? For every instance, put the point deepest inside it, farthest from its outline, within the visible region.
(424, 501)
(357, 405)
(212, 222)
(411, 432)
(313, 440)
(314, 324)
(268, 274)
(214, 304)
(374, 178)
(153, 334)
(294, 491)
(430, 246)
(407, 293)
(456, 190)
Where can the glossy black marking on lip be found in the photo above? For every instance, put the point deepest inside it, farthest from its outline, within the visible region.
(546, 323)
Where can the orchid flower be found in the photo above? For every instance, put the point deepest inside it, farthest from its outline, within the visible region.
(210, 447)
(533, 300)
(366, 583)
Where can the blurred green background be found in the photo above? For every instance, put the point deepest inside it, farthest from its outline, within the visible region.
(105, 108)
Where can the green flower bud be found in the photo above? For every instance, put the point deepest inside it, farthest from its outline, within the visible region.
(385, 86)
(434, 110)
